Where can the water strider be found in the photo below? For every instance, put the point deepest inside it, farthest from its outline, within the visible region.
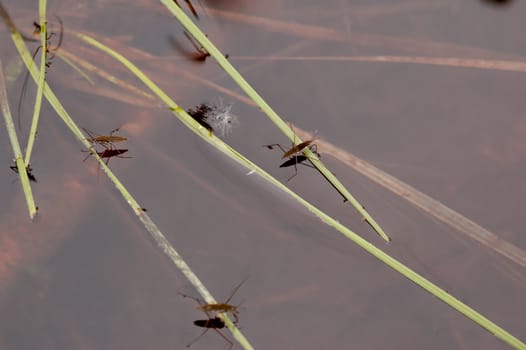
(294, 154)
(216, 322)
(201, 54)
(107, 141)
(220, 307)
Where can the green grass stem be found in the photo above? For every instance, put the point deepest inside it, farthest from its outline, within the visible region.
(26, 186)
(74, 66)
(40, 84)
(427, 204)
(272, 115)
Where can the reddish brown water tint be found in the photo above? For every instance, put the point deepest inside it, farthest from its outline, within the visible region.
(428, 92)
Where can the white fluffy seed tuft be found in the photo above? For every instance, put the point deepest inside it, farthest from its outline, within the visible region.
(221, 119)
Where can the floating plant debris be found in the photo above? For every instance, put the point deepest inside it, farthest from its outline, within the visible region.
(215, 117)
(200, 113)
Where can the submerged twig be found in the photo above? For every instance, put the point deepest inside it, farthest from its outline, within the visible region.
(429, 205)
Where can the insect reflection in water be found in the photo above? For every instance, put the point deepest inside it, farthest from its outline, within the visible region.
(214, 323)
(108, 153)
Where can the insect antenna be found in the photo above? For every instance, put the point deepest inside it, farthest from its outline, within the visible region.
(235, 290)
(271, 146)
(24, 90)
